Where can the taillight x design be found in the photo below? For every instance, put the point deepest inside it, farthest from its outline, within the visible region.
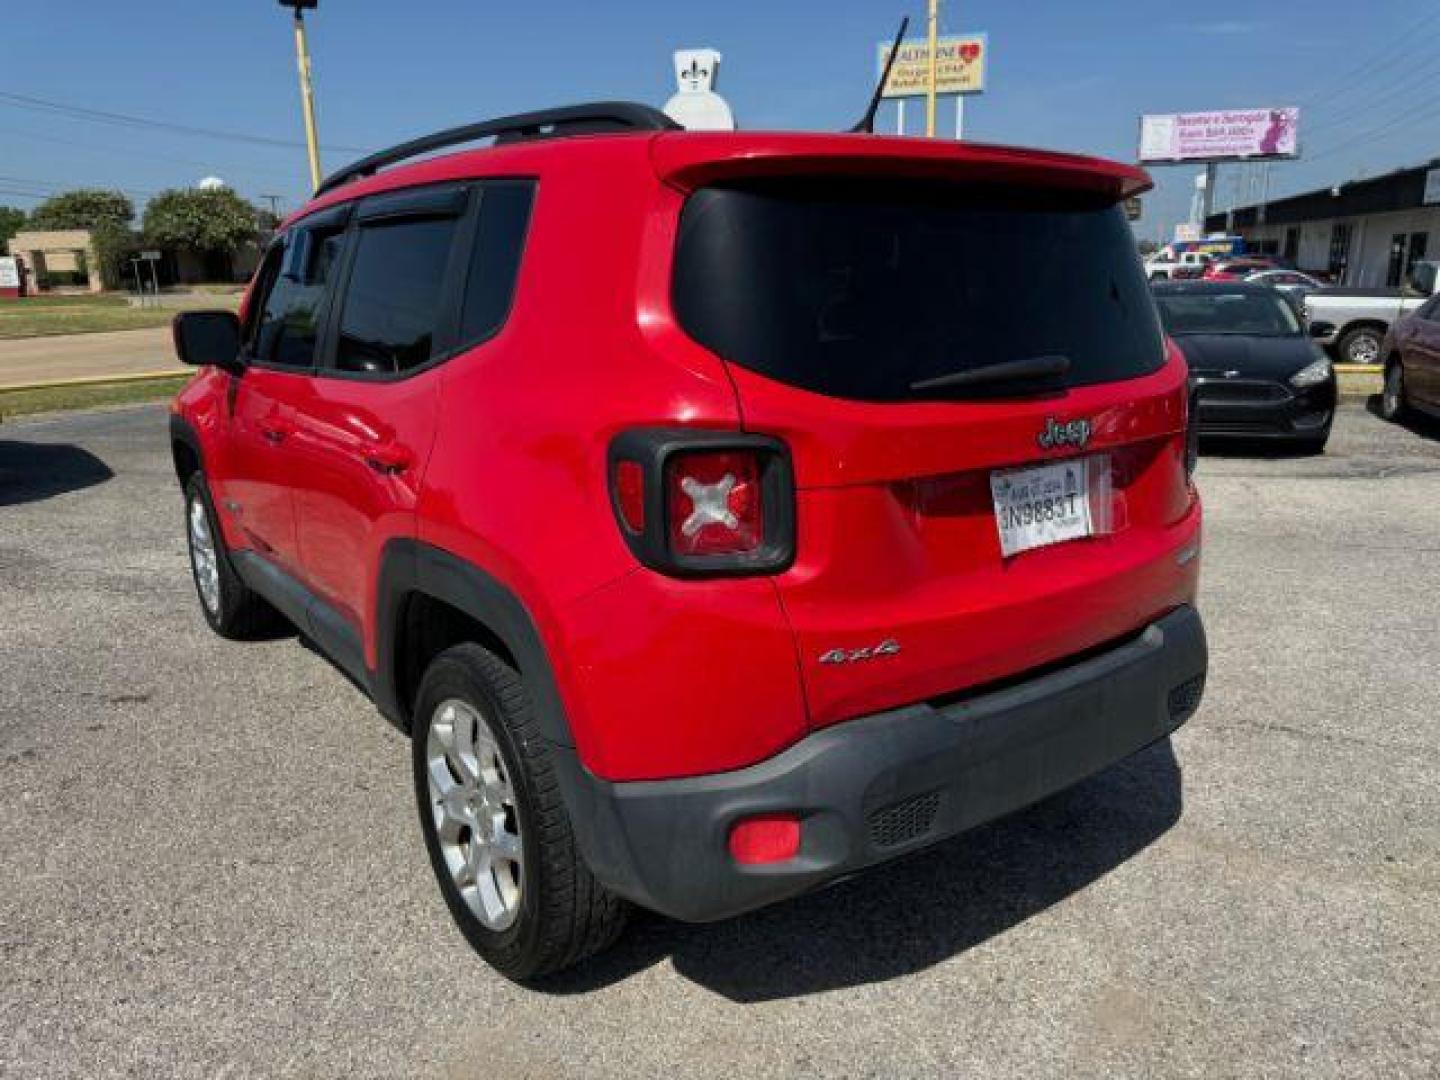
(701, 503)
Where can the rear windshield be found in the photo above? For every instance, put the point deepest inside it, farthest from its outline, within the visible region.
(860, 289)
(1253, 314)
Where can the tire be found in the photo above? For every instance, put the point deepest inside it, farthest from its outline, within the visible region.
(231, 607)
(1394, 406)
(495, 826)
(1361, 345)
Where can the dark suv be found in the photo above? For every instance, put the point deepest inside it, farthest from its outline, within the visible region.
(721, 513)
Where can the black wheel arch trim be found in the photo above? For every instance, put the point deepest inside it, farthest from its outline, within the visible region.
(410, 567)
(183, 432)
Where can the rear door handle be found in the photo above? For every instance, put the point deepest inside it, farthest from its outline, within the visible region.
(388, 458)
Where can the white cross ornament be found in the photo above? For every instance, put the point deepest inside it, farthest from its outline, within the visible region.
(711, 504)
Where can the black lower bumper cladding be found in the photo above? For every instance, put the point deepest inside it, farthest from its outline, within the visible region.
(871, 789)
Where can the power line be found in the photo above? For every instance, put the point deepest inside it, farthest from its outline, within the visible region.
(1425, 110)
(59, 186)
(209, 166)
(102, 116)
(1337, 85)
(1409, 82)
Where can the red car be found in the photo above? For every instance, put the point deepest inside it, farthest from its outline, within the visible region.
(712, 509)
(1235, 269)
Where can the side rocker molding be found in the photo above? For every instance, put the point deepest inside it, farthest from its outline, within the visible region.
(410, 566)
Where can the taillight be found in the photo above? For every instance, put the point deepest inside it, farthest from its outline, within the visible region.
(714, 501)
(698, 503)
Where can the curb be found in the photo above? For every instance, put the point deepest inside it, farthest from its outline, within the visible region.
(94, 380)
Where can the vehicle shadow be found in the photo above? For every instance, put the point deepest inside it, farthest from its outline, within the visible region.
(905, 917)
(1415, 423)
(32, 471)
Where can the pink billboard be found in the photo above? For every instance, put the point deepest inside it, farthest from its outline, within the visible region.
(1228, 135)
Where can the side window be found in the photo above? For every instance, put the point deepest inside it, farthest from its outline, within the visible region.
(495, 259)
(392, 302)
(287, 324)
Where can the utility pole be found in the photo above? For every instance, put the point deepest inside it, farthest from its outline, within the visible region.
(1207, 204)
(274, 201)
(934, 33)
(307, 93)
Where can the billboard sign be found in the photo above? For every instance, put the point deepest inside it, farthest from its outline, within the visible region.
(9, 272)
(959, 69)
(1227, 135)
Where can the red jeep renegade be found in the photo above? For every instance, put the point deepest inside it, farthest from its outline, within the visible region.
(721, 513)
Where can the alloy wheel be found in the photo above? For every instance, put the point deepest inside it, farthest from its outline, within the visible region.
(203, 559)
(1364, 350)
(477, 822)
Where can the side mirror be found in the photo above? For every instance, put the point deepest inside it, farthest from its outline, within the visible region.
(208, 339)
(1321, 329)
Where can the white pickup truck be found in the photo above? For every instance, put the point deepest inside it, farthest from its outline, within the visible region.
(1353, 321)
(1166, 265)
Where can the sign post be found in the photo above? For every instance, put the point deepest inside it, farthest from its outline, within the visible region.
(933, 34)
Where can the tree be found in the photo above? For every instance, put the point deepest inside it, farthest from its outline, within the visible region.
(11, 222)
(213, 222)
(83, 208)
(107, 214)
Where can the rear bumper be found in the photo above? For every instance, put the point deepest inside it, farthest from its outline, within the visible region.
(871, 789)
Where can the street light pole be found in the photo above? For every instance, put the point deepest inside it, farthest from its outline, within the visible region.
(932, 82)
(307, 92)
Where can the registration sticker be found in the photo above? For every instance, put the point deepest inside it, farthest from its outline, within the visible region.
(1044, 504)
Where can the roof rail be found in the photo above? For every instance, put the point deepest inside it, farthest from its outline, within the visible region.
(600, 116)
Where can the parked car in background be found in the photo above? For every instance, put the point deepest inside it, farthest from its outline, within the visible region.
(1236, 269)
(1412, 363)
(1253, 368)
(1166, 265)
(1292, 283)
(1354, 321)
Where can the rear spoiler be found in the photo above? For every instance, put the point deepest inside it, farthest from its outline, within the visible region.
(689, 160)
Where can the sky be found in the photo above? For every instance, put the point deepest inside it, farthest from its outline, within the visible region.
(1063, 75)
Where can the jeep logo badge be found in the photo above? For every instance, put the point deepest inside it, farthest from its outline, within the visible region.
(1075, 433)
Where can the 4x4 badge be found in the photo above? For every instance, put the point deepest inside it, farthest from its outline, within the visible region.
(888, 647)
(1075, 433)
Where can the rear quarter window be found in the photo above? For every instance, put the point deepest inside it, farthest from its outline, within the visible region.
(858, 289)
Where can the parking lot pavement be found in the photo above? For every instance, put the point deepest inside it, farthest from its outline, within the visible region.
(209, 863)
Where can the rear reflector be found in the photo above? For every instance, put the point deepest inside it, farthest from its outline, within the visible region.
(630, 494)
(769, 838)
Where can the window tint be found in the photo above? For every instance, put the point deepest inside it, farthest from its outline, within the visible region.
(289, 320)
(495, 260)
(392, 302)
(860, 289)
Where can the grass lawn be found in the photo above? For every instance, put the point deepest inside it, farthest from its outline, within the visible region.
(62, 398)
(47, 315)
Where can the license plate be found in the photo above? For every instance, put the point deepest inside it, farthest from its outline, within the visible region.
(1043, 504)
